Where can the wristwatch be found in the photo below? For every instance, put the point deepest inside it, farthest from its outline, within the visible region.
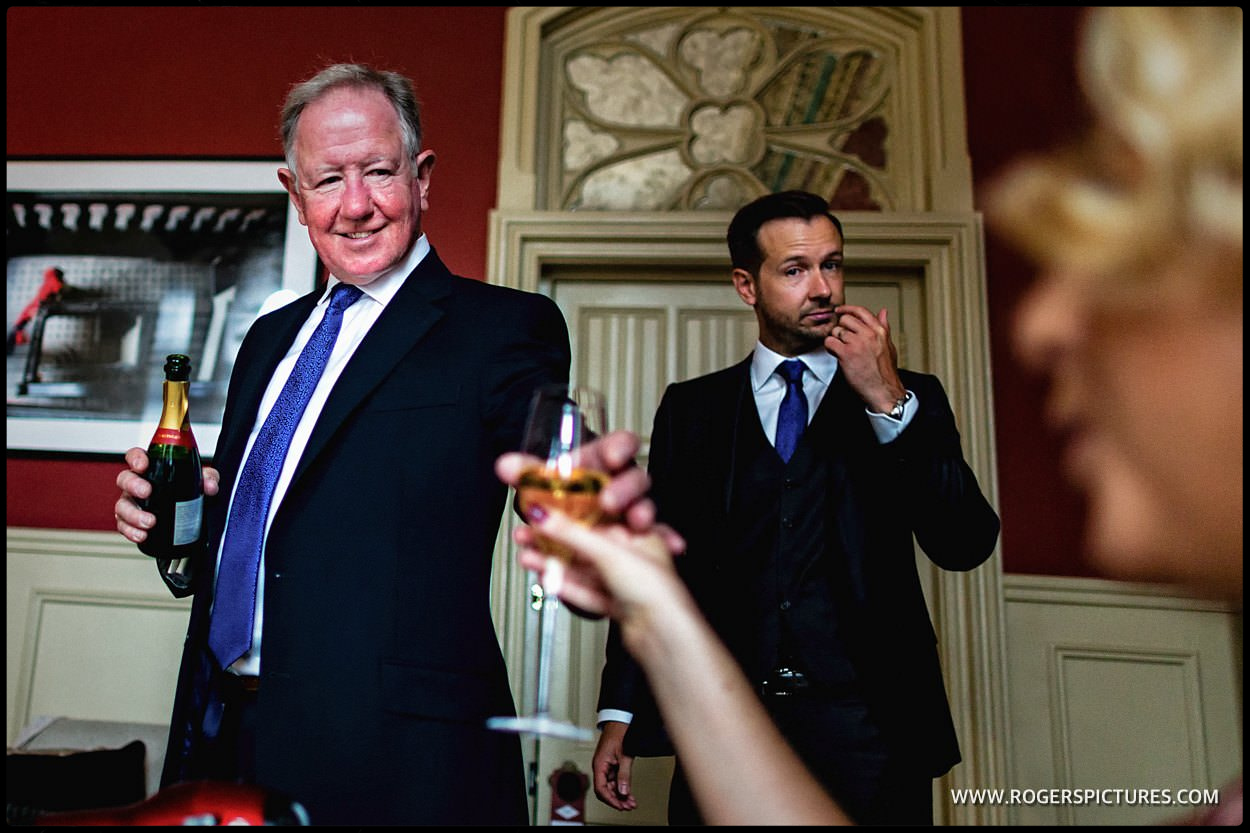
(897, 411)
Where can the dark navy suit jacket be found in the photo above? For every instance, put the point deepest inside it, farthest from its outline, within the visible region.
(380, 663)
(880, 495)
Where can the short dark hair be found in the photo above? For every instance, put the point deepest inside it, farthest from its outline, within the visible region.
(743, 235)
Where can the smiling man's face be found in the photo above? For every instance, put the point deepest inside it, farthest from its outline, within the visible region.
(358, 193)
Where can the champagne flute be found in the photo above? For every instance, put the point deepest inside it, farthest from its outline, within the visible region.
(561, 421)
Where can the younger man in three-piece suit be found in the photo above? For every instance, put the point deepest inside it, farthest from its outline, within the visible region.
(799, 498)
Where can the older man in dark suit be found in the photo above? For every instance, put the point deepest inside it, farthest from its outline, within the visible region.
(354, 668)
(798, 478)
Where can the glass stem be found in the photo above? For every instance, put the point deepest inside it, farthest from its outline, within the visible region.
(547, 640)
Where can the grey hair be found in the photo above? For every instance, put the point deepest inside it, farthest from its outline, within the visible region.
(397, 88)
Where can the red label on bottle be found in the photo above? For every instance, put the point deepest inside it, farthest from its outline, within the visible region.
(169, 436)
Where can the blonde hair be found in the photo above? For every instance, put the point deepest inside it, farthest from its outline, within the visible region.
(1162, 171)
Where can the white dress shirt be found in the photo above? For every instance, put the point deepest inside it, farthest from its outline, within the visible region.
(769, 388)
(357, 321)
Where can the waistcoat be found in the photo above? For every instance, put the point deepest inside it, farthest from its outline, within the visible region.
(787, 557)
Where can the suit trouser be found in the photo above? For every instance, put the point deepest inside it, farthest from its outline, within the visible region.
(841, 746)
(231, 756)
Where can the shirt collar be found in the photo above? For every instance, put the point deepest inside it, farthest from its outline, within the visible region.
(819, 361)
(384, 286)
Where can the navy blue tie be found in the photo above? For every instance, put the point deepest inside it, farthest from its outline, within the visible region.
(230, 632)
(792, 418)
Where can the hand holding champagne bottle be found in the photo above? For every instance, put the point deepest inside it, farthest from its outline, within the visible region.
(175, 474)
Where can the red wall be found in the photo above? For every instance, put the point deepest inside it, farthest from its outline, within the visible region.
(207, 82)
(1022, 96)
(188, 82)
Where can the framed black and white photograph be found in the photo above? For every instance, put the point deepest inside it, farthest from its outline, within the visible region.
(113, 265)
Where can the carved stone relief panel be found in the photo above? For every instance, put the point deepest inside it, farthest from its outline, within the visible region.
(686, 108)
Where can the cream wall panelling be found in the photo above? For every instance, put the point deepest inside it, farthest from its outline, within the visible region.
(1119, 686)
(92, 633)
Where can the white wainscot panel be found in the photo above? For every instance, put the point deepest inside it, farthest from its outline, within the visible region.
(92, 633)
(1118, 687)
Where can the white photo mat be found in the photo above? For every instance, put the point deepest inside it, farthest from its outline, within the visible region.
(159, 180)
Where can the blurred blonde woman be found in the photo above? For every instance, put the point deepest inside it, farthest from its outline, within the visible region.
(1136, 320)
(1137, 317)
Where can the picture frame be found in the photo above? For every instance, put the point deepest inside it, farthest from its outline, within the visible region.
(113, 264)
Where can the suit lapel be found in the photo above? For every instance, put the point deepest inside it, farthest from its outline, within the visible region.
(405, 321)
(736, 399)
(282, 326)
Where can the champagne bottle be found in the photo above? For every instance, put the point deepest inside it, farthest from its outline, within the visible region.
(177, 479)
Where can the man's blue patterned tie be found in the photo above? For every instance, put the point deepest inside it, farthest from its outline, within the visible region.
(230, 632)
(792, 418)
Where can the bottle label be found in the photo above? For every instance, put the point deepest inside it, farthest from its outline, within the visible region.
(187, 516)
(172, 436)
